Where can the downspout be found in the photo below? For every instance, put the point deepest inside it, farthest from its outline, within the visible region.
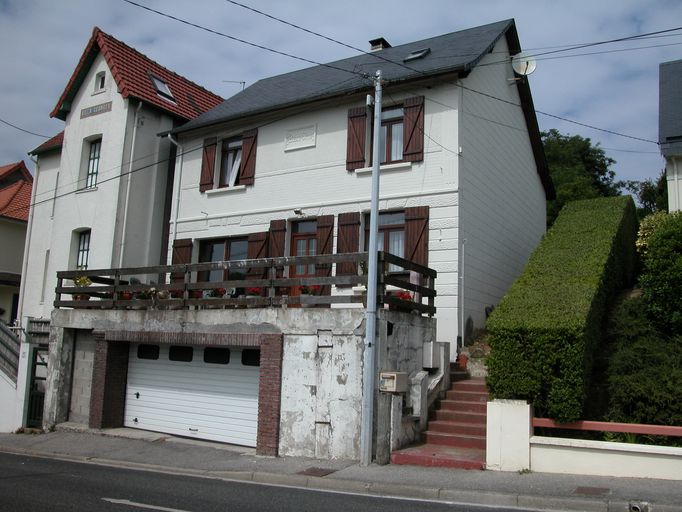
(27, 242)
(178, 173)
(128, 187)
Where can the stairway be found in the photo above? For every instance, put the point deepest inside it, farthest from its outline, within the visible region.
(456, 431)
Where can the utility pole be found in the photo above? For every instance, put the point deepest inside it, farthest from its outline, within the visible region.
(368, 370)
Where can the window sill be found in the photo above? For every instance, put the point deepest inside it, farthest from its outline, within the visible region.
(99, 91)
(400, 166)
(85, 190)
(225, 190)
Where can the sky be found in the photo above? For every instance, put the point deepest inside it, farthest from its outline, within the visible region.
(611, 86)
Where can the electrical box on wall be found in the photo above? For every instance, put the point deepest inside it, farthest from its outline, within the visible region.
(393, 382)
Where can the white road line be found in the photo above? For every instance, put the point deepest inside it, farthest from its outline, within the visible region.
(142, 505)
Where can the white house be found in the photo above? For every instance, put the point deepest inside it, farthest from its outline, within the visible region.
(463, 175)
(103, 186)
(670, 129)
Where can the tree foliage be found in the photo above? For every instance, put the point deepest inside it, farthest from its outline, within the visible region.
(652, 196)
(579, 170)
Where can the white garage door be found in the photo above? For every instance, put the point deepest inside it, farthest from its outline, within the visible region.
(203, 392)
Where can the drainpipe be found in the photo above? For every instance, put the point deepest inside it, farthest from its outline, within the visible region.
(27, 242)
(128, 186)
(178, 173)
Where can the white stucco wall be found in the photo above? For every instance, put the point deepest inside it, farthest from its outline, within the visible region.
(315, 180)
(13, 235)
(502, 199)
(673, 169)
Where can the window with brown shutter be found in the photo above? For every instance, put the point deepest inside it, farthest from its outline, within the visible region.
(182, 254)
(257, 248)
(417, 235)
(277, 237)
(325, 242)
(208, 164)
(348, 240)
(413, 138)
(357, 132)
(247, 168)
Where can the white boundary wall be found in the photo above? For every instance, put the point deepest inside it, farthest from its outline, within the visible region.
(510, 449)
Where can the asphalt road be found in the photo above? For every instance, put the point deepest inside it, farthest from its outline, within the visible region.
(38, 484)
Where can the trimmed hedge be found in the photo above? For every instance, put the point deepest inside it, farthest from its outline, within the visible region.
(544, 332)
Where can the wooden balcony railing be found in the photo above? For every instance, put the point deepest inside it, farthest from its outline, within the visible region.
(266, 285)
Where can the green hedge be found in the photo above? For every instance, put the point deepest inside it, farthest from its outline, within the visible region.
(544, 332)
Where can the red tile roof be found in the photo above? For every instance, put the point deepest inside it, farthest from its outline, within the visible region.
(16, 184)
(53, 143)
(132, 72)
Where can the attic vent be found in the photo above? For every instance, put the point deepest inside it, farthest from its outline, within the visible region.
(162, 88)
(379, 44)
(417, 54)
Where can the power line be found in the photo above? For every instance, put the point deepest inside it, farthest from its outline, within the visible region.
(24, 130)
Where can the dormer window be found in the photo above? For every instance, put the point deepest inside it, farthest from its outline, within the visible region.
(100, 81)
(162, 88)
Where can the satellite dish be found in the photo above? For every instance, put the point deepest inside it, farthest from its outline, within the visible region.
(523, 64)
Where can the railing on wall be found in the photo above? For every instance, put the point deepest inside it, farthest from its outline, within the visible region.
(410, 288)
(9, 352)
(602, 426)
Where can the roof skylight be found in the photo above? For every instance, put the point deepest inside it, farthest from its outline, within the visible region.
(162, 88)
(417, 54)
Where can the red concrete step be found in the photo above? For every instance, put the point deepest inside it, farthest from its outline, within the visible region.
(467, 396)
(459, 416)
(457, 375)
(440, 456)
(459, 440)
(458, 405)
(455, 427)
(470, 385)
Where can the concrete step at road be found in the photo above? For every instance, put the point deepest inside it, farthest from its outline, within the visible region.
(458, 405)
(458, 440)
(459, 416)
(467, 396)
(456, 427)
(440, 456)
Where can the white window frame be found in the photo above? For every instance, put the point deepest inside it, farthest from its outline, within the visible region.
(228, 178)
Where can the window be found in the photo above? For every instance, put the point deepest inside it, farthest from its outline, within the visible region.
(223, 249)
(145, 351)
(95, 148)
(181, 353)
(83, 253)
(304, 243)
(100, 81)
(391, 136)
(216, 355)
(251, 357)
(391, 235)
(162, 88)
(230, 161)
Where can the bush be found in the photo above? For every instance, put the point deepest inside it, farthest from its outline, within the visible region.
(544, 332)
(645, 370)
(661, 278)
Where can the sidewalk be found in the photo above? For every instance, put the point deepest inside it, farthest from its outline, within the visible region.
(160, 452)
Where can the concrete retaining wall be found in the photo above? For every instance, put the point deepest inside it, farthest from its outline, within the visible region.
(8, 398)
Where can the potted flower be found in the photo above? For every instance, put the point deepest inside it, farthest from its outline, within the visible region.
(216, 293)
(254, 291)
(312, 289)
(81, 282)
(400, 295)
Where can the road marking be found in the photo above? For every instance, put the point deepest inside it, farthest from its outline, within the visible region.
(142, 505)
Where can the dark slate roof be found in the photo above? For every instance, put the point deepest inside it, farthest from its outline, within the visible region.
(132, 72)
(454, 52)
(670, 108)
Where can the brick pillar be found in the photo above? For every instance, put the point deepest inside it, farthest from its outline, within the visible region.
(109, 376)
(269, 394)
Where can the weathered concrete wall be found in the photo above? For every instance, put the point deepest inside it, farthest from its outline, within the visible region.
(79, 409)
(321, 388)
(8, 397)
(59, 372)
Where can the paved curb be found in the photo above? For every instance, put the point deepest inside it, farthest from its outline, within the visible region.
(459, 496)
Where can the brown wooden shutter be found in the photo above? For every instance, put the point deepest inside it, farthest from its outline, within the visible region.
(247, 167)
(277, 237)
(413, 122)
(357, 131)
(417, 234)
(208, 164)
(348, 240)
(257, 248)
(182, 253)
(325, 245)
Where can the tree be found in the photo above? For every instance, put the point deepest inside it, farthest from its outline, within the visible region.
(651, 195)
(579, 170)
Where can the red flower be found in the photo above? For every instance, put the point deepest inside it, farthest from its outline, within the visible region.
(403, 295)
(253, 291)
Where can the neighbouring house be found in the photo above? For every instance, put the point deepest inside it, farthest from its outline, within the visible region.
(269, 214)
(15, 196)
(670, 129)
(103, 186)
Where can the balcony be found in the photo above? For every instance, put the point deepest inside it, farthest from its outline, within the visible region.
(402, 285)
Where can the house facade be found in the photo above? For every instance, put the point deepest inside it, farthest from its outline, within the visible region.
(103, 186)
(279, 175)
(670, 129)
